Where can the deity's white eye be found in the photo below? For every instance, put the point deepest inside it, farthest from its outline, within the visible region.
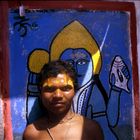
(82, 62)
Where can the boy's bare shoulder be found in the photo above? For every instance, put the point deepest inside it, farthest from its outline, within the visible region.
(93, 129)
(91, 123)
(32, 130)
(88, 123)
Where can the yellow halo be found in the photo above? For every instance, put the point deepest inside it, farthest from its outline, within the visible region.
(37, 59)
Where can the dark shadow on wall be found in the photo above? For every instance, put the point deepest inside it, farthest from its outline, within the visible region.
(36, 111)
(124, 132)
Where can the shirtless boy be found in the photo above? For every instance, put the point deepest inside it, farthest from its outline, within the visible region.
(58, 85)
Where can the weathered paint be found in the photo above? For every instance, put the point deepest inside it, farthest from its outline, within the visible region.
(1, 121)
(69, 34)
(4, 75)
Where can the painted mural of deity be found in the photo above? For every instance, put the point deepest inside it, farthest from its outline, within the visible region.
(75, 44)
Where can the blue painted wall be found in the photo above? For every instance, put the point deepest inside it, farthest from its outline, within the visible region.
(96, 43)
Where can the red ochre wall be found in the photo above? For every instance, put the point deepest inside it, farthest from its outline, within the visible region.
(5, 116)
(5, 112)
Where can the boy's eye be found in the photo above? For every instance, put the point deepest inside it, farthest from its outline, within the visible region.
(54, 88)
(49, 89)
(66, 88)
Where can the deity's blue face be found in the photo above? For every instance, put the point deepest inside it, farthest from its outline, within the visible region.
(82, 62)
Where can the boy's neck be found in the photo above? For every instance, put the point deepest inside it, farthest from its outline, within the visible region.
(60, 118)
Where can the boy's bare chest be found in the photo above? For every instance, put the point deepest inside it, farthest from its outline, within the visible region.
(62, 132)
(71, 130)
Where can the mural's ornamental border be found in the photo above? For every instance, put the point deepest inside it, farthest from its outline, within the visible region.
(79, 5)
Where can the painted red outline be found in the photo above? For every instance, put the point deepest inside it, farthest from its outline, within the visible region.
(94, 5)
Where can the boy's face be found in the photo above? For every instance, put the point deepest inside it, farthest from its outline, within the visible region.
(57, 93)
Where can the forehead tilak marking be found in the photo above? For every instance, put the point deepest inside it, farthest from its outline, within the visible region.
(66, 80)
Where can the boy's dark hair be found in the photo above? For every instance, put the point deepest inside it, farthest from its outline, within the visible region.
(53, 68)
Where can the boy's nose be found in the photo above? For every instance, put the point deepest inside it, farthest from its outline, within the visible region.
(58, 93)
